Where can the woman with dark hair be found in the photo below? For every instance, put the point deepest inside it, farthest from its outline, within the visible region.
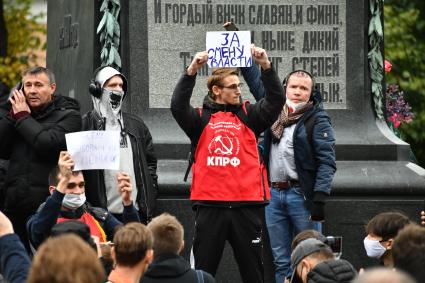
(381, 231)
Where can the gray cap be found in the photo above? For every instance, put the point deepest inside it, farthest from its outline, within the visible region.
(303, 249)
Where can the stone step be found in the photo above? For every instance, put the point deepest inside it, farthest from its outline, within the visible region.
(346, 152)
(351, 178)
(170, 178)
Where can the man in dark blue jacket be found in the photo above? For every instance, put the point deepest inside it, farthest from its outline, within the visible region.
(299, 152)
(68, 202)
(14, 260)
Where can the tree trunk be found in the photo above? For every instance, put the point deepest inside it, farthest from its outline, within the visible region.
(3, 32)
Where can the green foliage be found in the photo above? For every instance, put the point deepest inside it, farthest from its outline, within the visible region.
(405, 48)
(24, 33)
(109, 30)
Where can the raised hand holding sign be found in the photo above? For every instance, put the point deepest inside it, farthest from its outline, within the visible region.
(229, 49)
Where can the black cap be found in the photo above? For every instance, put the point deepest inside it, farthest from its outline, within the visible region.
(76, 227)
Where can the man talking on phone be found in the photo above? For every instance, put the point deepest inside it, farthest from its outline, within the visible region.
(32, 133)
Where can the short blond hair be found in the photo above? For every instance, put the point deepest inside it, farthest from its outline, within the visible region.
(131, 243)
(168, 234)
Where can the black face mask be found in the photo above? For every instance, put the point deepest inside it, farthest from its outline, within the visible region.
(115, 98)
(110, 102)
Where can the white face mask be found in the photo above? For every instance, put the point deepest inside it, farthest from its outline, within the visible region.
(73, 201)
(373, 248)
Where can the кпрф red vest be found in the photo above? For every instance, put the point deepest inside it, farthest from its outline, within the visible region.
(227, 166)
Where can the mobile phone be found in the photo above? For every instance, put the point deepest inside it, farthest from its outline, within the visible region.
(19, 86)
(335, 243)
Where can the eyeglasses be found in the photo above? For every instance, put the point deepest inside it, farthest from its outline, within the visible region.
(233, 86)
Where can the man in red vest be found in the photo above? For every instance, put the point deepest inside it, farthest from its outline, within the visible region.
(67, 201)
(229, 184)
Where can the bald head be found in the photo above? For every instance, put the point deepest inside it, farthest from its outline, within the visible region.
(384, 275)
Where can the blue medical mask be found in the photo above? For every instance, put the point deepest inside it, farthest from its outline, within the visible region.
(373, 248)
(73, 201)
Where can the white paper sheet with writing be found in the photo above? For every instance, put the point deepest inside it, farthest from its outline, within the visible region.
(94, 149)
(229, 49)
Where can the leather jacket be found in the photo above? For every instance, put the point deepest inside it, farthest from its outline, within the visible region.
(144, 161)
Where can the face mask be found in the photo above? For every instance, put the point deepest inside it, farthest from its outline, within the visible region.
(109, 104)
(373, 248)
(73, 201)
(294, 106)
(115, 98)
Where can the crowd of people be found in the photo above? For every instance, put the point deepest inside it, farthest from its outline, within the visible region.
(99, 225)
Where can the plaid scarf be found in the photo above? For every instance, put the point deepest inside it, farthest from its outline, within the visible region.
(286, 119)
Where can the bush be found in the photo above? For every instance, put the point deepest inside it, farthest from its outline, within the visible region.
(24, 32)
(404, 27)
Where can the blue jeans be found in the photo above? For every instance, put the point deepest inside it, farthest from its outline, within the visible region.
(286, 216)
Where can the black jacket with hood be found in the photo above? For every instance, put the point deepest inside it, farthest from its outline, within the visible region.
(171, 268)
(144, 161)
(32, 145)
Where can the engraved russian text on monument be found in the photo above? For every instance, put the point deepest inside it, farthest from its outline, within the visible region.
(309, 35)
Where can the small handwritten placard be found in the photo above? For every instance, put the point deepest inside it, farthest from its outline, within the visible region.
(229, 49)
(94, 149)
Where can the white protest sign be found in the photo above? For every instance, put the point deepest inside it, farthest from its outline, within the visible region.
(229, 49)
(94, 149)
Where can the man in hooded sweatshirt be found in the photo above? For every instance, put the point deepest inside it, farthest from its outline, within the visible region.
(229, 185)
(137, 156)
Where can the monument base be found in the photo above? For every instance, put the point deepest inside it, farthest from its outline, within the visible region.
(361, 189)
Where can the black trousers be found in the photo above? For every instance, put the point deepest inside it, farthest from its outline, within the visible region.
(242, 228)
